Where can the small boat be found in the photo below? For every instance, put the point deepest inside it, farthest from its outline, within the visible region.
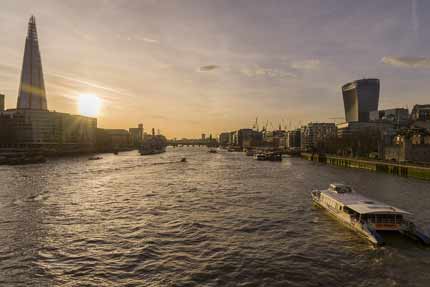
(260, 156)
(183, 159)
(27, 159)
(212, 150)
(95, 158)
(366, 216)
(274, 156)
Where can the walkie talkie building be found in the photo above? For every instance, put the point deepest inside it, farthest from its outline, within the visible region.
(360, 97)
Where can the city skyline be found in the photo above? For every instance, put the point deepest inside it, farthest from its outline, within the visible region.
(239, 62)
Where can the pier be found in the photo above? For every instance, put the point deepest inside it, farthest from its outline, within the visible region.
(405, 170)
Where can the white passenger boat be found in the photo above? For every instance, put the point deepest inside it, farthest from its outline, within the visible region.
(366, 216)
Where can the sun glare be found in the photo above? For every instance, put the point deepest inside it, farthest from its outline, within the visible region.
(89, 105)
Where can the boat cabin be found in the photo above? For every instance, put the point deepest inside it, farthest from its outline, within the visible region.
(340, 188)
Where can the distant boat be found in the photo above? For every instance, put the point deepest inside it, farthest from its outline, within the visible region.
(366, 216)
(274, 156)
(95, 158)
(153, 144)
(269, 156)
(183, 159)
(212, 150)
(260, 156)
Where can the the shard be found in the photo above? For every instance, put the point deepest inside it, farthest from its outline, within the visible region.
(32, 94)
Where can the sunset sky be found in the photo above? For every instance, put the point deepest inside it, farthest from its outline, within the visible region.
(197, 66)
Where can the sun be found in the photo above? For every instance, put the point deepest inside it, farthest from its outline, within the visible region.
(89, 105)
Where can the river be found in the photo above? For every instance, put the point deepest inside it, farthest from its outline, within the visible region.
(217, 220)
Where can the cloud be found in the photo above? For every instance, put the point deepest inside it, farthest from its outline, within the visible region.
(151, 41)
(266, 72)
(306, 64)
(89, 84)
(407, 62)
(208, 68)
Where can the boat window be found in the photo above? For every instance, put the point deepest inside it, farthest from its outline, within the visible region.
(383, 218)
(342, 189)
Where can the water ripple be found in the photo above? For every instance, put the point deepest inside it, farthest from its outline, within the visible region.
(218, 220)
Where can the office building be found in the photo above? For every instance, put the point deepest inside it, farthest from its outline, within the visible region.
(248, 138)
(112, 140)
(420, 117)
(412, 147)
(397, 116)
(360, 98)
(49, 131)
(224, 138)
(136, 135)
(314, 133)
(293, 139)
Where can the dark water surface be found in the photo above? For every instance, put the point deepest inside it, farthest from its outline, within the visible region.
(218, 220)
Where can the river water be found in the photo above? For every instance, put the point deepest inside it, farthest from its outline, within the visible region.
(217, 220)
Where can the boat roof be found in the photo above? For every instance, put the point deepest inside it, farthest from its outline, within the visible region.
(363, 208)
(361, 204)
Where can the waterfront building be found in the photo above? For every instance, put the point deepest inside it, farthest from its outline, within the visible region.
(249, 138)
(397, 116)
(51, 132)
(360, 97)
(420, 117)
(293, 139)
(136, 135)
(224, 138)
(409, 146)
(233, 139)
(420, 113)
(314, 133)
(32, 94)
(276, 138)
(108, 140)
(349, 129)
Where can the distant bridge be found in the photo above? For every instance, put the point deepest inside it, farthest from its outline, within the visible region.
(191, 142)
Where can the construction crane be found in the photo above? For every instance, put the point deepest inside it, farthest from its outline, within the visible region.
(255, 126)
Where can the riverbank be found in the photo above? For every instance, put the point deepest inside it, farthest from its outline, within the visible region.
(30, 156)
(405, 170)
